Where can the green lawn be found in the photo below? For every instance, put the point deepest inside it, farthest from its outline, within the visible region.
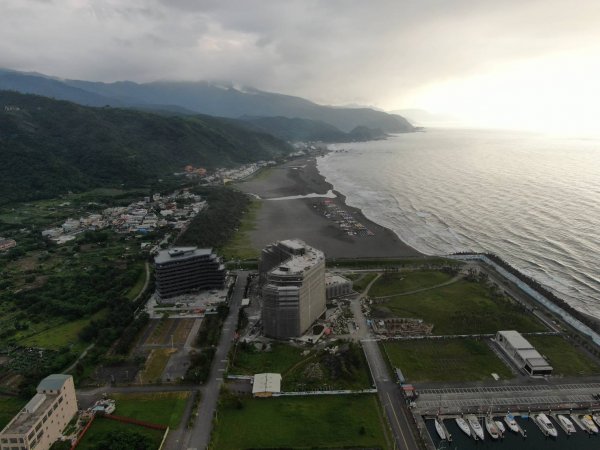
(62, 335)
(361, 284)
(101, 427)
(317, 370)
(461, 308)
(397, 283)
(300, 422)
(445, 360)
(240, 246)
(9, 406)
(281, 357)
(563, 356)
(164, 408)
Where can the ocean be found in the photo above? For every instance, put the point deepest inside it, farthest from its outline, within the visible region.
(534, 200)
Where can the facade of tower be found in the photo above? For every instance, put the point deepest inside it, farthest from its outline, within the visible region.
(293, 288)
(182, 270)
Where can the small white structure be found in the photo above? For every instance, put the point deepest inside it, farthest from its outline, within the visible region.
(523, 354)
(266, 384)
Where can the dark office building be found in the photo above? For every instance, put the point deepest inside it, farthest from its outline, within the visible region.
(182, 270)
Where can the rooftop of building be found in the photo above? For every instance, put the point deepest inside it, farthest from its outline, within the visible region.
(180, 253)
(266, 382)
(304, 258)
(515, 339)
(53, 382)
(332, 278)
(38, 405)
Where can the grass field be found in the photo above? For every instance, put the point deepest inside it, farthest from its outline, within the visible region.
(156, 363)
(461, 308)
(317, 370)
(164, 408)
(397, 283)
(445, 360)
(564, 357)
(62, 335)
(361, 283)
(280, 358)
(240, 246)
(9, 406)
(301, 422)
(101, 427)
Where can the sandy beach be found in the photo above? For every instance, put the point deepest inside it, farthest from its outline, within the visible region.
(302, 218)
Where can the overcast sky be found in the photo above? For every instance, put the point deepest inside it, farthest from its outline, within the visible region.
(442, 55)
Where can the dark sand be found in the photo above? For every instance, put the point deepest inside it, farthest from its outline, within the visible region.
(298, 218)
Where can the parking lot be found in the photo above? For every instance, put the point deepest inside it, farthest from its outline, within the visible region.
(502, 398)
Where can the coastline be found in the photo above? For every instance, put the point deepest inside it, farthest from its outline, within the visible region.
(300, 217)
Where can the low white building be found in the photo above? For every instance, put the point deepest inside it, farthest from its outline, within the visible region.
(522, 353)
(266, 384)
(44, 417)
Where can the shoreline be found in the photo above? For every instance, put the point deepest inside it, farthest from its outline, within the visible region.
(300, 217)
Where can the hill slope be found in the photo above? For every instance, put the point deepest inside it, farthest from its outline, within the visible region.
(48, 147)
(201, 97)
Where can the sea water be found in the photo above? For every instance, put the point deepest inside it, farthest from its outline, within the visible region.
(532, 199)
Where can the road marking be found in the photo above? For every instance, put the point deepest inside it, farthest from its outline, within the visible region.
(221, 370)
(224, 360)
(219, 379)
(397, 421)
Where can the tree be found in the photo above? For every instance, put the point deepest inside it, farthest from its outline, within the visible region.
(124, 440)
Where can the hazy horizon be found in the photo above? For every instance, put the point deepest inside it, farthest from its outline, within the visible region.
(530, 65)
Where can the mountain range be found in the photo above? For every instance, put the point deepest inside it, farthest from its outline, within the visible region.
(215, 99)
(49, 147)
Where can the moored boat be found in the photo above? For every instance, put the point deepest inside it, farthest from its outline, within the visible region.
(546, 425)
(567, 424)
(491, 427)
(589, 424)
(463, 425)
(596, 418)
(509, 419)
(440, 429)
(475, 426)
(501, 427)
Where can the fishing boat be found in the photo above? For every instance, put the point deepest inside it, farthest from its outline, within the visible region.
(509, 419)
(567, 424)
(546, 425)
(501, 427)
(491, 427)
(440, 429)
(588, 423)
(475, 426)
(463, 425)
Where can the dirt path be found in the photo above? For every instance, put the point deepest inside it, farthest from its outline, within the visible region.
(416, 291)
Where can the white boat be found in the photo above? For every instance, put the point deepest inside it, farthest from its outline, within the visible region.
(501, 427)
(463, 425)
(567, 424)
(509, 419)
(475, 426)
(588, 422)
(491, 427)
(596, 418)
(440, 429)
(546, 425)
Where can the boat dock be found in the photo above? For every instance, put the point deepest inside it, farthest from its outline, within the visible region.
(448, 434)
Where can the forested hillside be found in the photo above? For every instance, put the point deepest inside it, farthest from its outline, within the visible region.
(48, 147)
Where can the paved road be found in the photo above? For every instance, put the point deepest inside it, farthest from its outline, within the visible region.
(389, 395)
(387, 389)
(199, 436)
